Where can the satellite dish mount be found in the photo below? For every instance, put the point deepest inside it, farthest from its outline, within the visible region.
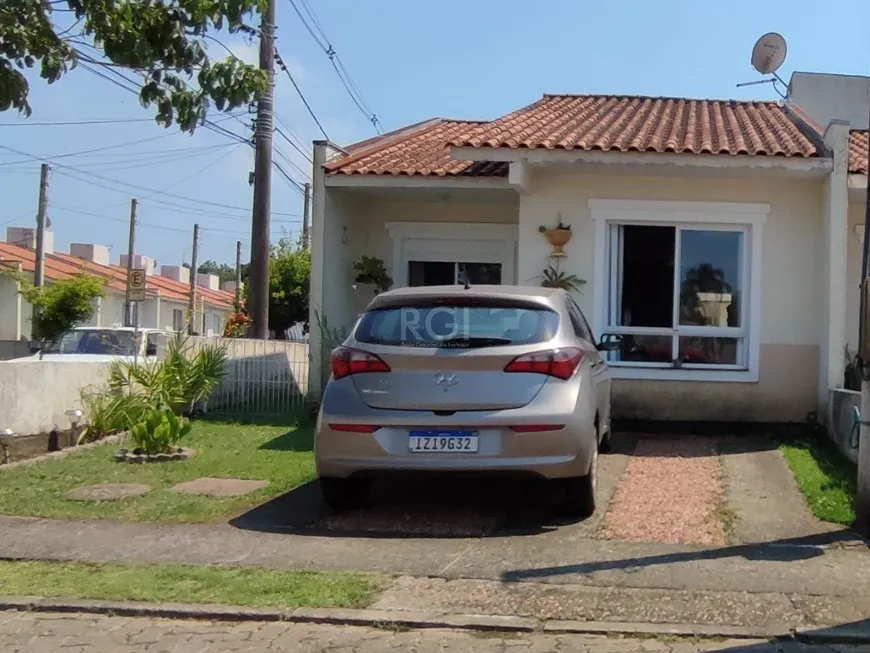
(768, 55)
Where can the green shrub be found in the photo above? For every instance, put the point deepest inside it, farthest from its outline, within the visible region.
(159, 431)
(107, 412)
(179, 381)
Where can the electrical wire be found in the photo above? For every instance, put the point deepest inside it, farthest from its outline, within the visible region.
(294, 145)
(286, 70)
(344, 77)
(64, 123)
(129, 185)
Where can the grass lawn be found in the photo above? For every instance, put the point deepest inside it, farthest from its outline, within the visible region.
(826, 478)
(280, 454)
(253, 587)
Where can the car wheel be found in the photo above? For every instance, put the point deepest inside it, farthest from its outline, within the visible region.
(342, 494)
(580, 491)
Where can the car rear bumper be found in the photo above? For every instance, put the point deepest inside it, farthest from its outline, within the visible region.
(547, 454)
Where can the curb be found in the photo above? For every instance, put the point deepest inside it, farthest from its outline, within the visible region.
(63, 453)
(403, 619)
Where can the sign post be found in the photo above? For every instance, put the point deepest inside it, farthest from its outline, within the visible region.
(135, 294)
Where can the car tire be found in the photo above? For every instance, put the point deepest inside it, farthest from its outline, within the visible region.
(342, 494)
(580, 491)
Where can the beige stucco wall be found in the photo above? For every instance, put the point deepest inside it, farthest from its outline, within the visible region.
(792, 318)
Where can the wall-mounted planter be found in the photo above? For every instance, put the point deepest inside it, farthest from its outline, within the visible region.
(557, 237)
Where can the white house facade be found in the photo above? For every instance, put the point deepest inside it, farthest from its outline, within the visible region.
(716, 237)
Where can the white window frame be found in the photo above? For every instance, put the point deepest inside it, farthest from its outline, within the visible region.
(704, 216)
(453, 242)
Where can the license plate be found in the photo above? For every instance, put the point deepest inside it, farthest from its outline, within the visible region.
(440, 441)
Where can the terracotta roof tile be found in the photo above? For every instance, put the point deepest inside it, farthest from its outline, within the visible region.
(420, 149)
(64, 266)
(858, 144)
(583, 122)
(644, 124)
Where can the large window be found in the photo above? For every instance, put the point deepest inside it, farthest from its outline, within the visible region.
(677, 295)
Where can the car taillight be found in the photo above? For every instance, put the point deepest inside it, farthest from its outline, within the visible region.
(560, 363)
(346, 361)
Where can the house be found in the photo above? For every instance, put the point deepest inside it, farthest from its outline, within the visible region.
(167, 294)
(716, 236)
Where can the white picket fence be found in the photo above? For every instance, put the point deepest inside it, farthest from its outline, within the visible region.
(263, 377)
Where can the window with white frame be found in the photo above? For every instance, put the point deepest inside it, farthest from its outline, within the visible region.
(681, 283)
(178, 319)
(677, 295)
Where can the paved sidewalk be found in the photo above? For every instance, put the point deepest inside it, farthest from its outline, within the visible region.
(72, 633)
(813, 565)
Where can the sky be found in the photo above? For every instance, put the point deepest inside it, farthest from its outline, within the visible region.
(410, 60)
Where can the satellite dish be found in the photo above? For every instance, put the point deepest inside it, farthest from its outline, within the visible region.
(768, 53)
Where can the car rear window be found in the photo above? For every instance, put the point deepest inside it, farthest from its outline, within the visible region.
(462, 326)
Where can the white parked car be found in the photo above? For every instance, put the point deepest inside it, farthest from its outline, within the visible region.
(85, 344)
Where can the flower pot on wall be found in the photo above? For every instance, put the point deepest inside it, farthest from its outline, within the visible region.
(557, 238)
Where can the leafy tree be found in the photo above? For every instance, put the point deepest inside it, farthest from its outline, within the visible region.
(163, 40)
(61, 305)
(289, 278)
(222, 270)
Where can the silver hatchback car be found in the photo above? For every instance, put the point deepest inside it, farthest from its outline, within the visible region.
(466, 379)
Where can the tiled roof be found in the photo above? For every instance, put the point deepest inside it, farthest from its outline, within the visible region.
(858, 151)
(64, 266)
(645, 124)
(584, 122)
(417, 150)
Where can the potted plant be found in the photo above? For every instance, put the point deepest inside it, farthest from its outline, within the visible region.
(558, 237)
(370, 270)
(552, 277)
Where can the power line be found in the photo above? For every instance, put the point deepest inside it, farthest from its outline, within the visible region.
(344, 77)
(129, 185)
(301, 94)
(294, 145)
(62, 123)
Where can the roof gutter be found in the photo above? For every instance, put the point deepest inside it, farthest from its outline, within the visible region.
(814, 166)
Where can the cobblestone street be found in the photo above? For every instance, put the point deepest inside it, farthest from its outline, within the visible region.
(73, 633)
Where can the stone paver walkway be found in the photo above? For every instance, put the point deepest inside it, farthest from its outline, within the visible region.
(671, 491)
(72, 633)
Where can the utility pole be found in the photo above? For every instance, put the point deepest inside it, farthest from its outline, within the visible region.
(238, 300)
(192, 308)
(305, 208)
(258, 279)
(39, 263)
(131, 248)
(862, 498)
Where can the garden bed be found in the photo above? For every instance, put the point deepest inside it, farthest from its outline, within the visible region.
(14, 448)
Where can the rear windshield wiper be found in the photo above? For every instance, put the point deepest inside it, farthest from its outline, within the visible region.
(478, 341)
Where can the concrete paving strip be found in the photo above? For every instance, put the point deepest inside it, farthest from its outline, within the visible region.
(547, 557)
(425, 619)
(760, 611)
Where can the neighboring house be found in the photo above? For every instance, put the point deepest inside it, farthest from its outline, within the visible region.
(167, 297)
(715, 236)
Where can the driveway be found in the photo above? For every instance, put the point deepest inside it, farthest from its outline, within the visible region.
(672, 489)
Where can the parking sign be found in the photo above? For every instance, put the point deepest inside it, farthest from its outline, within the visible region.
(136, 285)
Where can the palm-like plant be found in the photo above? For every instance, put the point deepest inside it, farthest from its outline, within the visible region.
(179, 381)
(552, 277)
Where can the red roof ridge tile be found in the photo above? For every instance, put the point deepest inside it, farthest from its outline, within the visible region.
(675, 98)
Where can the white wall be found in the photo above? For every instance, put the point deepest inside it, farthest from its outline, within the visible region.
(34, 395)
(828, 97)
(853, 275)
(792, 254)
(11, 327)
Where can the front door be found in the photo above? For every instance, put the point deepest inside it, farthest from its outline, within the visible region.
(444, 273)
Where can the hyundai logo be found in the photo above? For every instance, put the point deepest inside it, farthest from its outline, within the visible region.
(445, 379)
